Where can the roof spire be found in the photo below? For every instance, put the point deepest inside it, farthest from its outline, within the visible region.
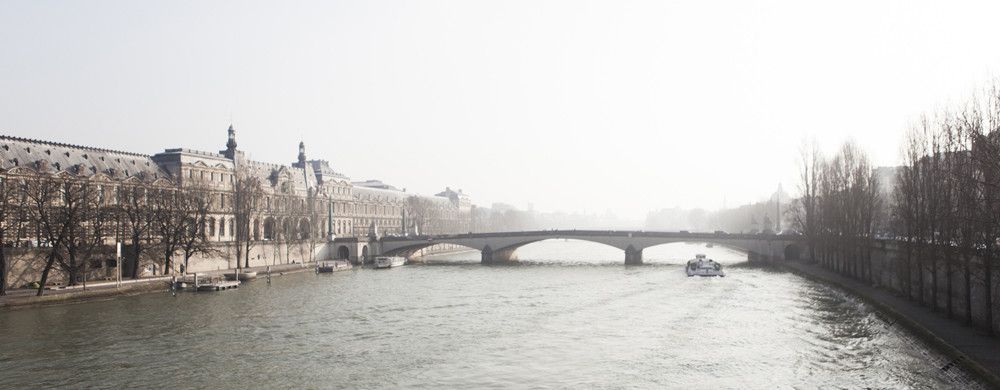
(231, 144)
(302, 154)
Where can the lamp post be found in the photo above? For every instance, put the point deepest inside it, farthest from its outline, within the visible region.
(118, 259)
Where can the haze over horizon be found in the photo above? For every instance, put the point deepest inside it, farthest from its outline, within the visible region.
(563, 105)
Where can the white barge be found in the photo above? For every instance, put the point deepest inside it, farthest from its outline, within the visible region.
(701, 266)
(389, 261)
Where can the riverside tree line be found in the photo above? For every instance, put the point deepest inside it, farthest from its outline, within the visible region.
(71, 221)
(68, 221)
(943, 212)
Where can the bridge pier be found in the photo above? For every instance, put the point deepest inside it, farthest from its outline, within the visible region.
(754, 257)
(490, 256)
(633, 256)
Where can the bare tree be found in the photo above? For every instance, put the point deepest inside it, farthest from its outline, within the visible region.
(946, 204)
(963, 172)
(806, 215)
(193, 206)
(248, 191)
(288, 233)
(87, 218)
(169, 218)
(422, 213)
(137, 220)
(312, 234)
(986, 156)
(12, 218)
(44, 199)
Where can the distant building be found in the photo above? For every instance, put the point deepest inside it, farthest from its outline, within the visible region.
(458, 199)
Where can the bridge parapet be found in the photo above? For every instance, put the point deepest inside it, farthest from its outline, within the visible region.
(500, 246)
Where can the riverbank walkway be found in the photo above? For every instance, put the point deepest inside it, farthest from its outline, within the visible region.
(23, 297)
(957, 340)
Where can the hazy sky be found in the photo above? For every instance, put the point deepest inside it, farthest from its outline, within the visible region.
(567, 105)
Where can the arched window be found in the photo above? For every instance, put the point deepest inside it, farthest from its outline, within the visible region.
(211, 227)
(222, 227)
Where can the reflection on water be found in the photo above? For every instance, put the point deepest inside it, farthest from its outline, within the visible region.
(571, 315)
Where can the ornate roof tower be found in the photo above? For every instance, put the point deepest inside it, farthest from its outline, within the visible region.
(231, 144)
(302, 154)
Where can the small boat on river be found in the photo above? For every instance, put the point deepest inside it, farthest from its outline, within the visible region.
(389, 261)
(701, 266)
(219, 285)
(323, 267)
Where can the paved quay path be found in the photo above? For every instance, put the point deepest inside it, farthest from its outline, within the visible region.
(956, 340)
(22, 297)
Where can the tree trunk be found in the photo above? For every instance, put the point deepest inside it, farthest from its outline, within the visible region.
(73, 274)
(3, 269)
(988, 284)
(136, 251)
(868, 263)
(239, 255)
(948, 285)
(45, 273)
(968, 287)
(166, 263)
(920, 278)
(909, 271)
(246, 256)
(934, 280)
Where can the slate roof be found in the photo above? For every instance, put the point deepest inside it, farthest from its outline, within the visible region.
(76, 159)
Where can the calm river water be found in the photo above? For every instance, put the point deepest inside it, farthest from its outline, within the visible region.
(569, 316)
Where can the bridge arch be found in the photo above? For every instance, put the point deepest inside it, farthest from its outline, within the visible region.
(493, 251)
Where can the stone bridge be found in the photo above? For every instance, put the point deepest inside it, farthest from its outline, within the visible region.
(500, 247)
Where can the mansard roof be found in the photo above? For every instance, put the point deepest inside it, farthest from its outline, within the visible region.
(375, 183)
(363, 192)
(76, 159)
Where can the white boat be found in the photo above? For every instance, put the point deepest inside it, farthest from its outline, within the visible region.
(701, 266)
(323, 267)
(389, 261)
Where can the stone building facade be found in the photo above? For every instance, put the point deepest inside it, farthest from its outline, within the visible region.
(352, 208)
(307, 199)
